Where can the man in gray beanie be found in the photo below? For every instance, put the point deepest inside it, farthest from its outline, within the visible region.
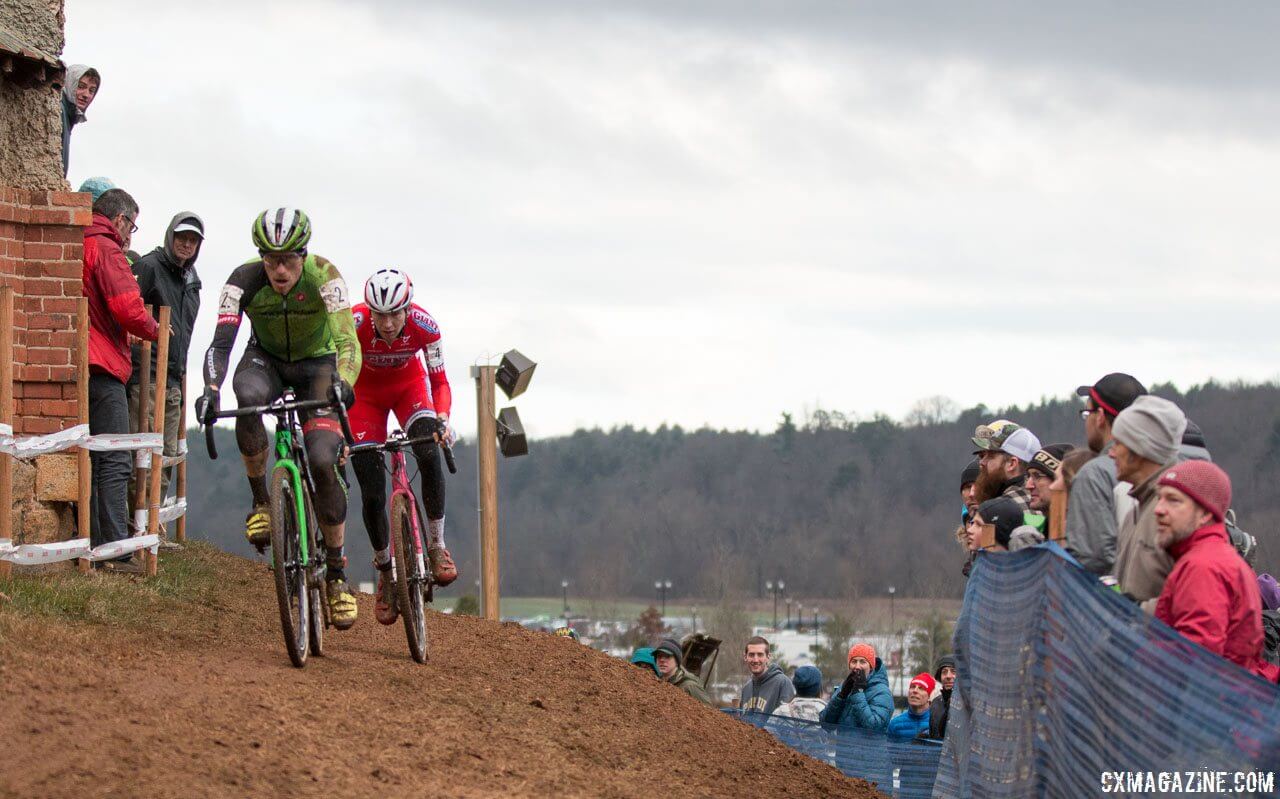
(1147, 435)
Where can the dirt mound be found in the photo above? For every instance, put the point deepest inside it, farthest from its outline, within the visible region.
(188, 693)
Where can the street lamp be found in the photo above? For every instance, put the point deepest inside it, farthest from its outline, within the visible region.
(662, 587)
(815, 625)
(788, 600)
(892, 623)
(775, 589)
(564, 586)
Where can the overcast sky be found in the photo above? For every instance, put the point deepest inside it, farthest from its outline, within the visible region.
(712, 212)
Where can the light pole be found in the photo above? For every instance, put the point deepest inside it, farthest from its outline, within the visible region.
(815, 625)
(892, 624)
(775, 589)
(662, 587)
(564, 586)
(788, 600)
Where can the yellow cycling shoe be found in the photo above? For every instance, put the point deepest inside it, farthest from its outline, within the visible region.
(342, 605)
(257, 527)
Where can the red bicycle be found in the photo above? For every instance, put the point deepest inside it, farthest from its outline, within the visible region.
(409, 573)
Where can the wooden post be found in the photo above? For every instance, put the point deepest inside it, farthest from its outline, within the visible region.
(85, 466)
(487, 445)
(1057, 515)
(6, 416)
(144, 390)
(180, 533)
(157, 426)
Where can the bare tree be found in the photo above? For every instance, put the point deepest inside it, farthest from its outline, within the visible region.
(932, 411)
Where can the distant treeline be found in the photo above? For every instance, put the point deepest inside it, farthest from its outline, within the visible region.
(834, 505)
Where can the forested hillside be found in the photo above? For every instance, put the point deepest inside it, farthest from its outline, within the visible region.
(835, 506)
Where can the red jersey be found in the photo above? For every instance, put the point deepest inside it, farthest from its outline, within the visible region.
(399, 362)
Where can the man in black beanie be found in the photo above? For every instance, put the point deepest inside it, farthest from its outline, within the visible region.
(944, 671)
(667, 656)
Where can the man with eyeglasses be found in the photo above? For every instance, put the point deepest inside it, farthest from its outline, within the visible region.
(115, 312)
(1091, 513)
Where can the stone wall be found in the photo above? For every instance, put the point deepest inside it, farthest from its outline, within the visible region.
(31, 119)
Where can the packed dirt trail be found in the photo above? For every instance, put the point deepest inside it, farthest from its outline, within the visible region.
(195, 697)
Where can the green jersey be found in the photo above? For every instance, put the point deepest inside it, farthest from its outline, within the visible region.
(312, 320)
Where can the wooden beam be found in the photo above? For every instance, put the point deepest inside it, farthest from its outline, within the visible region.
(487, 445)
(157, 426)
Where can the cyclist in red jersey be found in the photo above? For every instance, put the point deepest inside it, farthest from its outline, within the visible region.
(394, 335)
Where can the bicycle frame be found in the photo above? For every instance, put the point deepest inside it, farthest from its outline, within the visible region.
(284, 453)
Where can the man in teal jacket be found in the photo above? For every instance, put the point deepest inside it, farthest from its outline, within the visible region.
(863, 701)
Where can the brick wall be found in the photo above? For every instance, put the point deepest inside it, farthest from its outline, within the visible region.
(41, 249)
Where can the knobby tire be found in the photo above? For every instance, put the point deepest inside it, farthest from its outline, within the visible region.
(319, 594)
(291, 585)
(408, 590)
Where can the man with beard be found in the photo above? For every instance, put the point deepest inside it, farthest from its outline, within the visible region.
(1003, 450)
(1091, 514)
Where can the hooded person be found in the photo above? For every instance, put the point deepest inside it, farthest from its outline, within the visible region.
(643, 657)
(768, 686)
(944, 671)
(167, 277)
(807, 705)
(863, 700)
(668, 658)
(78, 92)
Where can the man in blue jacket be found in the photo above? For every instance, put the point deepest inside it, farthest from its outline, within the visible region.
(915, 721)
(863, 700)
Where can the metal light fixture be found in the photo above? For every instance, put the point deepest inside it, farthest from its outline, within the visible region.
(514, 373)
(512, 442)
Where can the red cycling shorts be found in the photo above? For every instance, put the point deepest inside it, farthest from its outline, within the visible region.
(378, 395)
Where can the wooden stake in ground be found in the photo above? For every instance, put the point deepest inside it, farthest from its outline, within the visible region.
(157, 458)
(6, 416)
(180, 533)
(140, 474)
(85, 468)
(487, 445)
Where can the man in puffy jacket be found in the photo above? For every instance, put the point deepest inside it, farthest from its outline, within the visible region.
(863, 699)
(768, 686)
(1211, 596)
(914, 723)
(167, 277)
(667, 657)
(115, 311)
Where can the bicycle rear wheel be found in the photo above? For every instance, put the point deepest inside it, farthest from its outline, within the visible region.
(411, 578)
(290, 572)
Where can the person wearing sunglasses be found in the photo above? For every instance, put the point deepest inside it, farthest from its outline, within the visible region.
(116, 311)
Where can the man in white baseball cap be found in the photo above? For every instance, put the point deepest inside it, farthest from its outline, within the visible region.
(1004, 449)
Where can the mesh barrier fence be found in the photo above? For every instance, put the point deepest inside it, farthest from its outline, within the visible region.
(899, 768)
(1063, 683)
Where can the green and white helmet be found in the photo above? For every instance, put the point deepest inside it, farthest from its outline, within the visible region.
(281, 230)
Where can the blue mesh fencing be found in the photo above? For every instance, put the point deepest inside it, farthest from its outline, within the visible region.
(1062, 683)
(899, 768)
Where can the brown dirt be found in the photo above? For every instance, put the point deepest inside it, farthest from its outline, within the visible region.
(200, 700)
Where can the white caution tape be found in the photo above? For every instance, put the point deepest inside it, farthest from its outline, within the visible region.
(78, 436)
(143, 459)
(169, 511)
(35, 554)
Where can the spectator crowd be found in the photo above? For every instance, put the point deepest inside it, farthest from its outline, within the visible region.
(120, 284)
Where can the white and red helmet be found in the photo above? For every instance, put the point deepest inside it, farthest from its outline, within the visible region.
(388, 291)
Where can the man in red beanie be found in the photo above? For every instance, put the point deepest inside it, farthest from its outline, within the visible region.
(1211, 596)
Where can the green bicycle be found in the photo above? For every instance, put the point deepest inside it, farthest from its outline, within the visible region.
(297, 551)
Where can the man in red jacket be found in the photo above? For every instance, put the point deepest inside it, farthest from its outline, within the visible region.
(1211, 596)
(115, 311)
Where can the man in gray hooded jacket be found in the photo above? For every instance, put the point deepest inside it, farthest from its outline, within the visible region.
(78, 91)
(768, 686)
(167, 277)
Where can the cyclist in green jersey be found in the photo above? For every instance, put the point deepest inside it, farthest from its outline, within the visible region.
(303, 331)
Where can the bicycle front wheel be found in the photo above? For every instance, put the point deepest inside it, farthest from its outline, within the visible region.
(290, 572)
(411, 578)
